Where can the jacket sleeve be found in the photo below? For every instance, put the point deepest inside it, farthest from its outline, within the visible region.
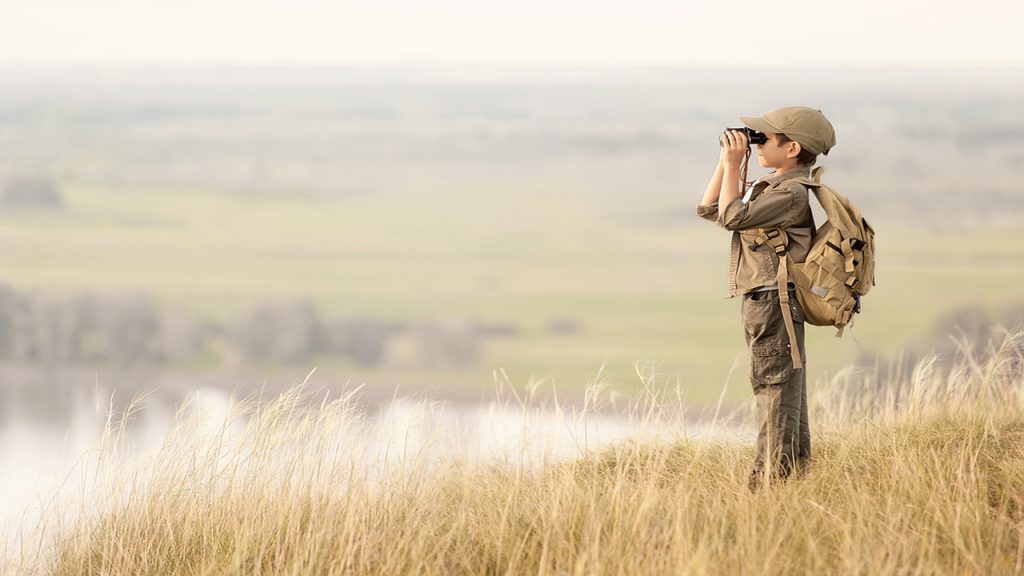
(708, 212)
(774, 208)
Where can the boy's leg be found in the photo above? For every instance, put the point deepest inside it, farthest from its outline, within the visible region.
(780, 438)
(779, 390)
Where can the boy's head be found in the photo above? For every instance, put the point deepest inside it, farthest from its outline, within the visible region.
(796, 134)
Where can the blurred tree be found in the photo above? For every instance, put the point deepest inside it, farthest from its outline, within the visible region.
(129, 327)
(363, 339)
(451, 343)
(278, 331)
(30, 192)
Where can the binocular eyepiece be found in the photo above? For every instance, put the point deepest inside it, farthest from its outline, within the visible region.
(753, 136)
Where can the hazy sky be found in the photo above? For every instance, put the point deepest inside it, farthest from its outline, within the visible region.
(644, 32)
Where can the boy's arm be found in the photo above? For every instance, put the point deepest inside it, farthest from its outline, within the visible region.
(708, 207)
(734, 148)
(773, 209)
(714, 186)
(776, 208)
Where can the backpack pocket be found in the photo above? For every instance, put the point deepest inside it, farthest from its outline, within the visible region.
(822, 288)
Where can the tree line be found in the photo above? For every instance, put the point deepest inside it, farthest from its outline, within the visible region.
(130, 330)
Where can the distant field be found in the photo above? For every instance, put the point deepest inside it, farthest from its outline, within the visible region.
(555, 205)
(642, 283)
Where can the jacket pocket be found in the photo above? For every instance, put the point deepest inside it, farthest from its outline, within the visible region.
(770, 363)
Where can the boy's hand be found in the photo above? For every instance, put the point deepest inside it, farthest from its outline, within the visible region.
(734, 148)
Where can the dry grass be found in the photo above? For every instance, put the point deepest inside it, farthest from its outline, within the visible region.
(923, 477)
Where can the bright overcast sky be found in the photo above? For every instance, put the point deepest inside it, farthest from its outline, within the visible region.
(532, 32)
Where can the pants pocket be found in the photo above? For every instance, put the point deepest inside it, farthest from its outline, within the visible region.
(762, 317)
(770, 363)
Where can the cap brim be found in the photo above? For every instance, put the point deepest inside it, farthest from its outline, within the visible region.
(759, 124)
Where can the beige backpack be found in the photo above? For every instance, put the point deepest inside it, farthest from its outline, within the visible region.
(839, 269)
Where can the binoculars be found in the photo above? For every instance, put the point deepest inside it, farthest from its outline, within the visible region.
(753, 136)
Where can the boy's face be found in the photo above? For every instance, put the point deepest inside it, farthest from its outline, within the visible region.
(773, 154)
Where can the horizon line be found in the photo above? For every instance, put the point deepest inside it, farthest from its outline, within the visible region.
(507, 65)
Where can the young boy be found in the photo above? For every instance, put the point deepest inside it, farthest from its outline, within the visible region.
(796, 135)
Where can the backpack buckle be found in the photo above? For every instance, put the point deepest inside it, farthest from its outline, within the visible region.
(769, 234)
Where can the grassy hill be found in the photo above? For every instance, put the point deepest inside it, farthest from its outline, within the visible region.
(924, 475)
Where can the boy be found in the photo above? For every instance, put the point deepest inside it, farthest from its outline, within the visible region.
(795, 136)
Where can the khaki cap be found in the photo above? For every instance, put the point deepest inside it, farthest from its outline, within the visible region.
(803, 125)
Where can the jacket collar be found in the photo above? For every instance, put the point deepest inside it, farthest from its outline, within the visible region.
(796, 172)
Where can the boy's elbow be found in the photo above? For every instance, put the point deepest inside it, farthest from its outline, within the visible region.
(708, 212)
(733, 221)
(733, 216)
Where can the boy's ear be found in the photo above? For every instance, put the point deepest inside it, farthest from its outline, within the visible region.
(793, 149)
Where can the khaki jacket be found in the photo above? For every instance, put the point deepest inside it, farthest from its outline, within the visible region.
(777, 202)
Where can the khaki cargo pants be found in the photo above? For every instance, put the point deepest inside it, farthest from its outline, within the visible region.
(784, 438)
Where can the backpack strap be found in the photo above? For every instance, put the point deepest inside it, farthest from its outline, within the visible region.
(778, 240)
(787, 312)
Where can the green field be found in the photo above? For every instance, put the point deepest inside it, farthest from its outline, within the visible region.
(644, 283)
